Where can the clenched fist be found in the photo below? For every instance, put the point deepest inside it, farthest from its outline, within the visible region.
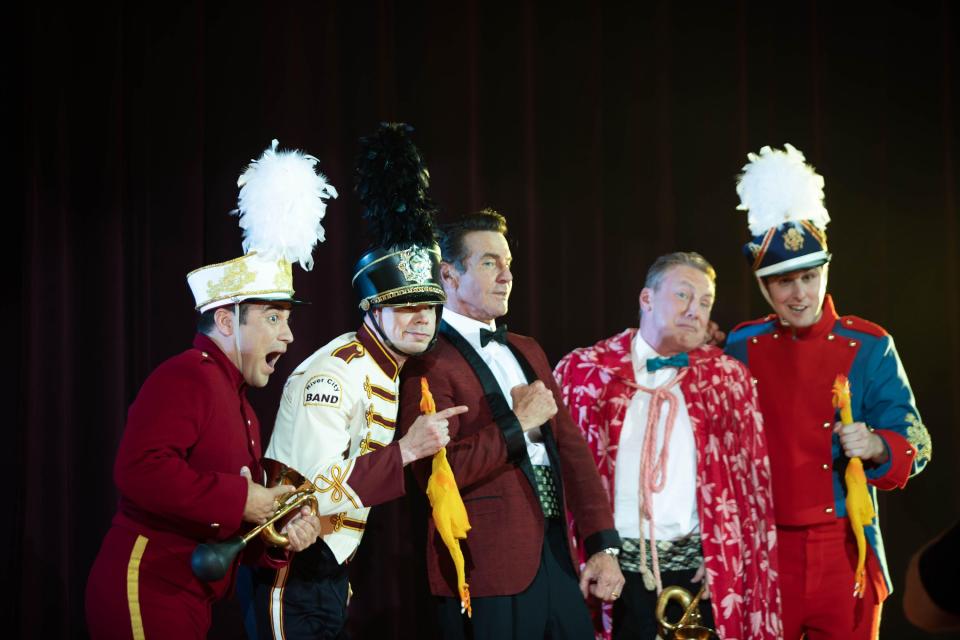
(302, 530)
(858, 440)
(428, 434)
(533, 404)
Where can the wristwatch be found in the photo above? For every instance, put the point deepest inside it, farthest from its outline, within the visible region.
(611, 551)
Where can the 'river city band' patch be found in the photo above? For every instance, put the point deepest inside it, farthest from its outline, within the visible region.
(322, 391)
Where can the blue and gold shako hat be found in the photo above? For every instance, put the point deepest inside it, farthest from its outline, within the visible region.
(403, 266)
(783, 198)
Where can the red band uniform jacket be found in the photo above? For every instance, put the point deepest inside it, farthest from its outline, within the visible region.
(189, 432)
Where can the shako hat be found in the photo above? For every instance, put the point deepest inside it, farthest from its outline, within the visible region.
(783, 198)
(280, 208)
(403, 265)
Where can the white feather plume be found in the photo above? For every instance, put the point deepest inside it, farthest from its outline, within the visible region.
(777, 187)
(281, 205)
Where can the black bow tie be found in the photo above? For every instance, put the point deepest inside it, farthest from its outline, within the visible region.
(500, 335)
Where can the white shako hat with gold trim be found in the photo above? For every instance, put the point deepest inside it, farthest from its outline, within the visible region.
(783, 198)
(281, 206)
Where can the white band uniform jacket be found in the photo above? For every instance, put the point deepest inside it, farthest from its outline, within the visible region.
(336, 426)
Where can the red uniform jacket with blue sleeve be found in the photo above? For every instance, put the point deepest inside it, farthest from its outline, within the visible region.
(795, 370)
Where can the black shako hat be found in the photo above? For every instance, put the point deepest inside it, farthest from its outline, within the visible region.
(403, 266)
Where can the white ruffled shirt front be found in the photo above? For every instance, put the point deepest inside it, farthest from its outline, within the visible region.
(674, 508)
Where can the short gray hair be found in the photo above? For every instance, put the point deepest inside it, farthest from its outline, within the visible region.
(664, 263)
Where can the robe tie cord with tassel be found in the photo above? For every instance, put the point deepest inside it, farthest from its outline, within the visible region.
(653, 466)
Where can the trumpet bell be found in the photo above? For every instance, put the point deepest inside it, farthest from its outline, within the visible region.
(684, 632)
(689, 626)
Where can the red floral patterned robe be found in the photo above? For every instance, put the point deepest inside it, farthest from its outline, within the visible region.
(734, 497)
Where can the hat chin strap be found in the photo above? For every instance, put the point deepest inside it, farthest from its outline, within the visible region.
(824, 272)
(236, 335)
(437, 309)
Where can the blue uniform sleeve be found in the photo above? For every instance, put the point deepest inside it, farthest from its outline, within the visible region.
(888, 406)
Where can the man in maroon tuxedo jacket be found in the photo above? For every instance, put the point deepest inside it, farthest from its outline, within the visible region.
(519, 462)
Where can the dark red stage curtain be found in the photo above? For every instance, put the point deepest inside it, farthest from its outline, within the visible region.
(608, 133)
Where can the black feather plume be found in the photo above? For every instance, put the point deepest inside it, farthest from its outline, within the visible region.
(392, 182)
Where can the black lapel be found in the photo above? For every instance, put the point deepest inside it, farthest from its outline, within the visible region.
(502, 415)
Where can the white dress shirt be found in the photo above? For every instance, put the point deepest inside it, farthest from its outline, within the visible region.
(674, 508)
(505, 369)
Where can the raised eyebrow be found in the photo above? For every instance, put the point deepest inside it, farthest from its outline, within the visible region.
(273, 308)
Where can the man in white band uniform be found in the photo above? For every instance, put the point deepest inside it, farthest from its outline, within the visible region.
(338, 414)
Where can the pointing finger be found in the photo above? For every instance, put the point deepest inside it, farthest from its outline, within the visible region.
(452, 411)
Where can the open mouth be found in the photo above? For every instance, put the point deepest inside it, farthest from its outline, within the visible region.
(272, 358)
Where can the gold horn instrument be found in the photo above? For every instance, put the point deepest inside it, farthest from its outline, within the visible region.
(689, 626)
(211, 561)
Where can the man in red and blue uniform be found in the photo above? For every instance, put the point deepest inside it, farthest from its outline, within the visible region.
(795, 355)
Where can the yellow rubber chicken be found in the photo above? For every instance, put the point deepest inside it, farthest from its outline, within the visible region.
(449, 514)
(859, 505)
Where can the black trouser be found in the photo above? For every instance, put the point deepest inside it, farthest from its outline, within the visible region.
(551, 607)
(309, 597)
(634, 613)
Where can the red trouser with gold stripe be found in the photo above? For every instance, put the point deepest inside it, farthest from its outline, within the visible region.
(817, 567)
(136, 590)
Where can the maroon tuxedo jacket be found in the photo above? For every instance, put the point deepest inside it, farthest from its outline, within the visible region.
(490, 462)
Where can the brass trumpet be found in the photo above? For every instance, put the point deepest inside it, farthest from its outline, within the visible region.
(211, 561)
(689, 626)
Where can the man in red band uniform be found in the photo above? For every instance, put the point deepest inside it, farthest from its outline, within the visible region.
(795, 355)
(519, 462)
(338, 413)
(190, 454)
(678, 439)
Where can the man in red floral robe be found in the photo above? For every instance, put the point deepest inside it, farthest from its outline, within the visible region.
(677, 436)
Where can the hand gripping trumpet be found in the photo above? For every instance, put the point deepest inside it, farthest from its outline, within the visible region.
(211, 561)
(688, 626)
